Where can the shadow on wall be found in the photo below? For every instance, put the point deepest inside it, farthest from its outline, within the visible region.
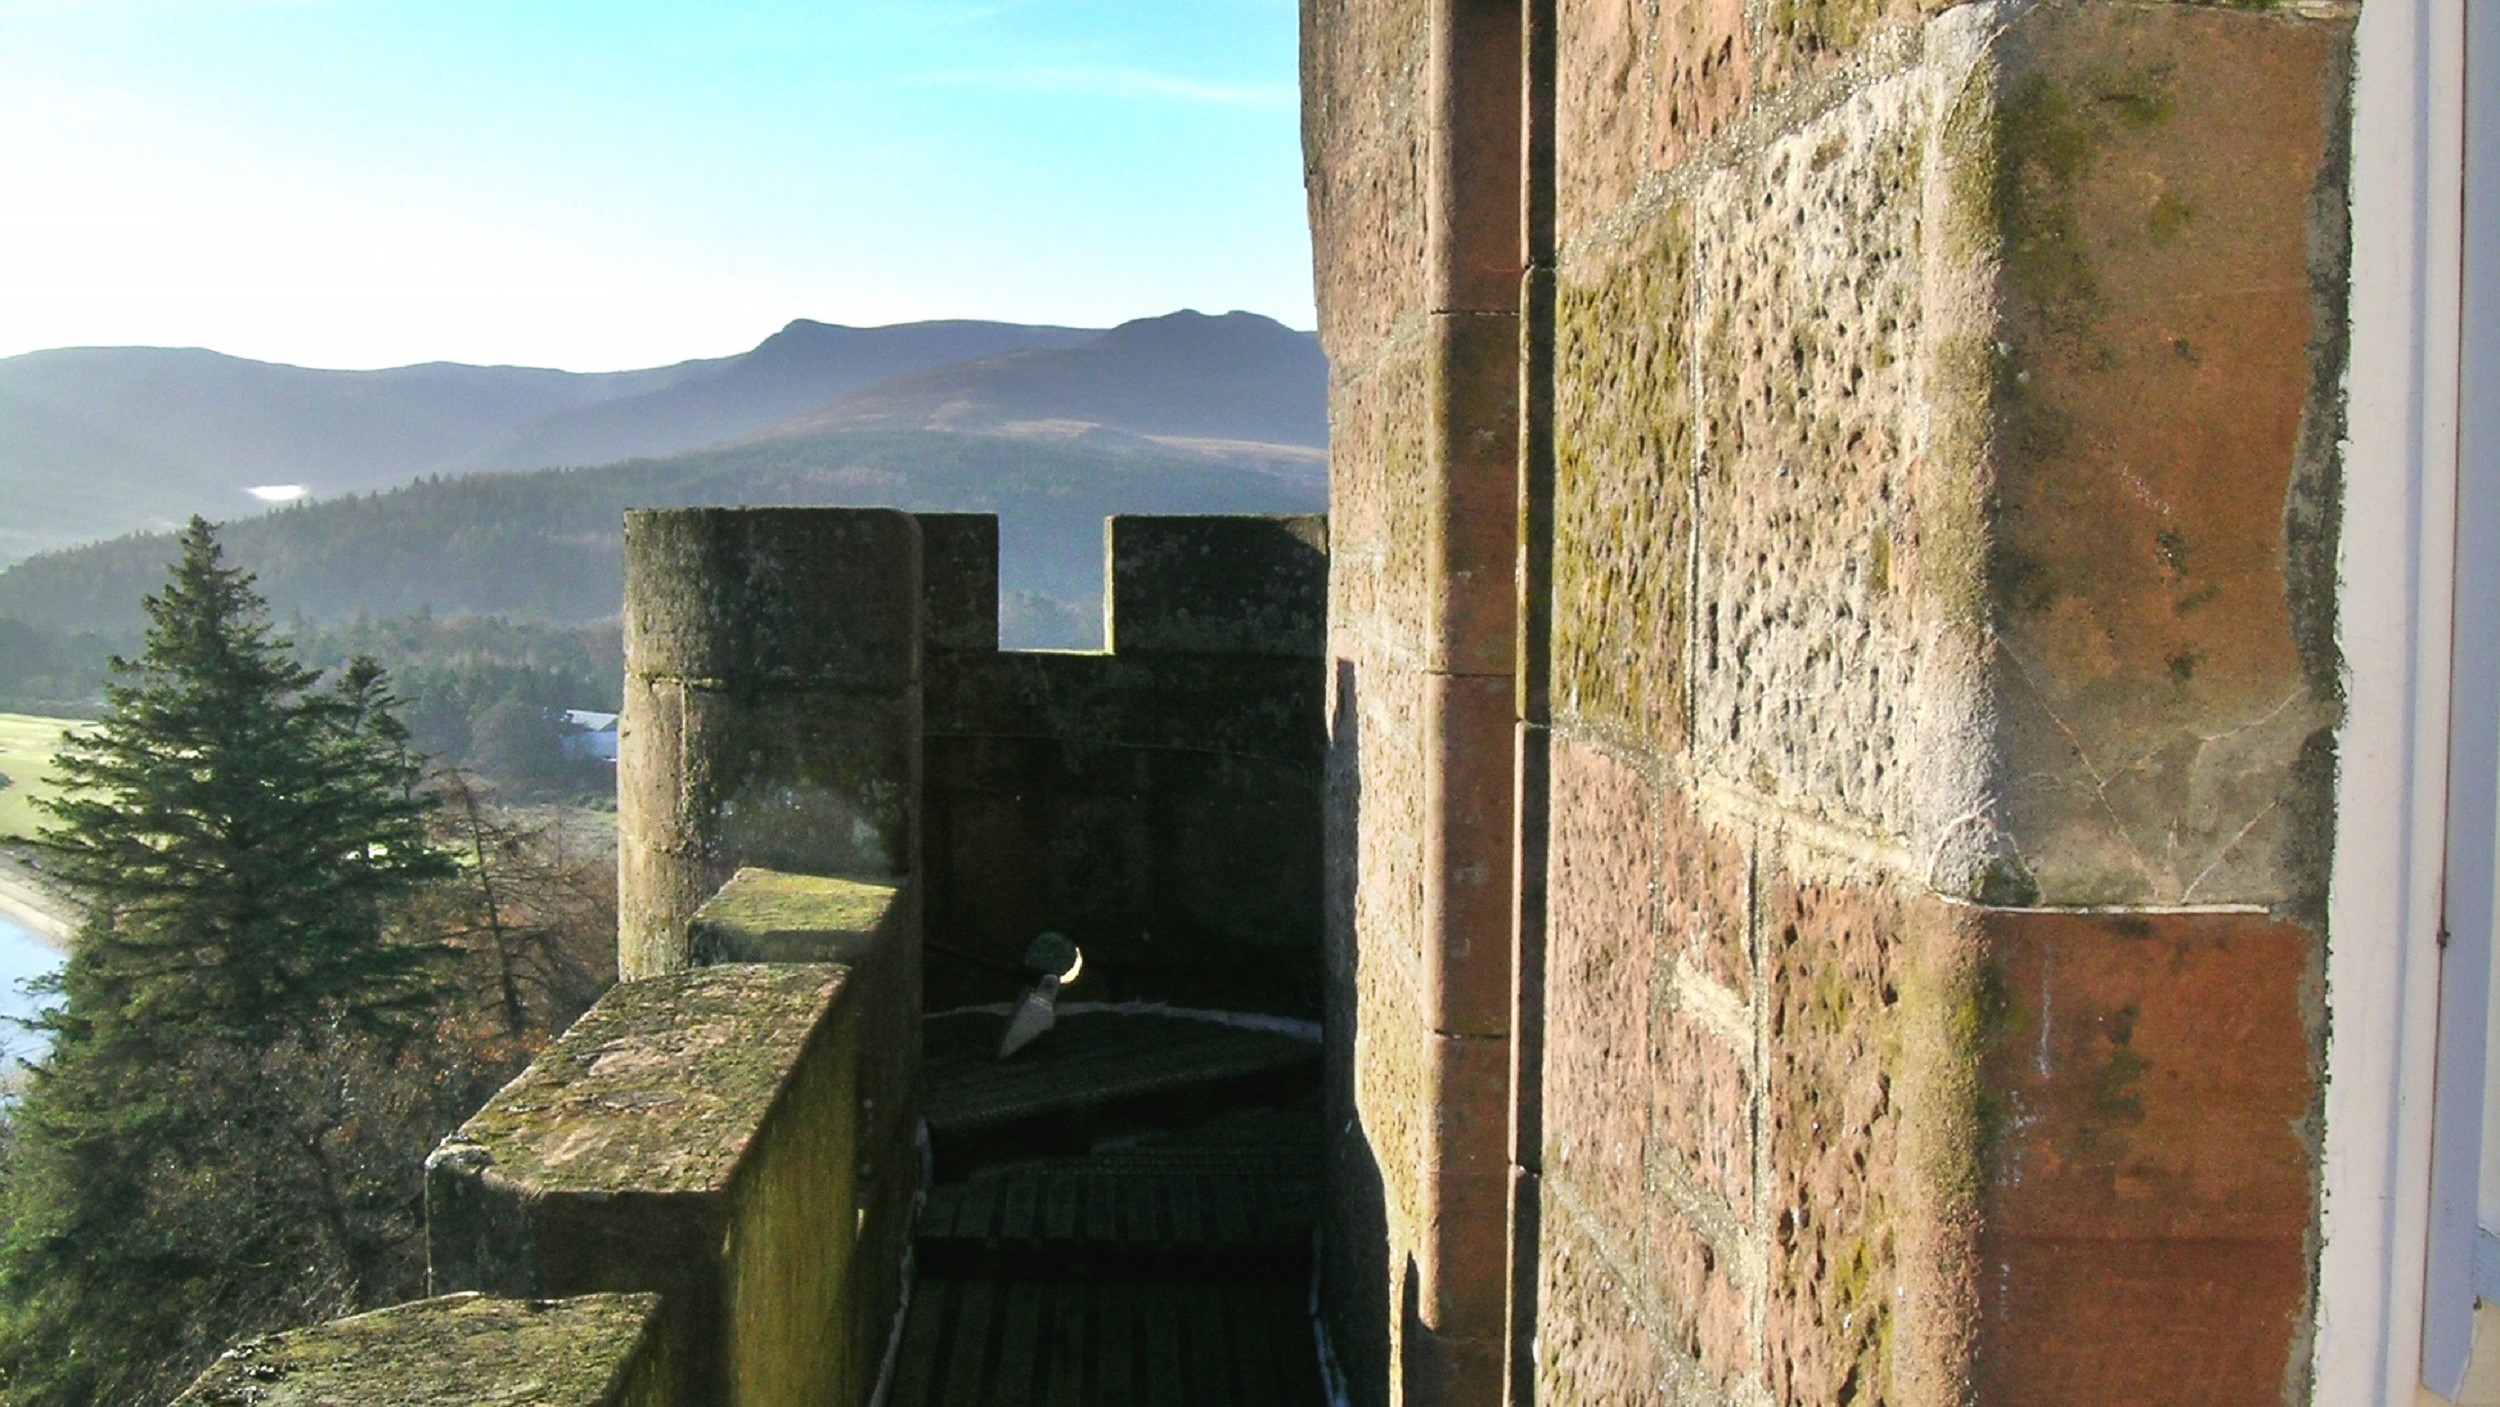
(1355, 1234)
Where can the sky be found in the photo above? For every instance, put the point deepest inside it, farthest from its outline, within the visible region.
(599, 184)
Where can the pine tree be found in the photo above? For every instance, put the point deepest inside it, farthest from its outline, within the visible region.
(243, 836)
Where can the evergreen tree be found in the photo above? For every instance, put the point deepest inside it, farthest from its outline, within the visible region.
(243, 836)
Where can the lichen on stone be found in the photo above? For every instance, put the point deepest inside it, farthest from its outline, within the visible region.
(456, 1351)
(660, 1088)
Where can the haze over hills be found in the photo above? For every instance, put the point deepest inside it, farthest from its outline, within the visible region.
(106, 440)
(1051, 428)
(547, 545)
(1187, 376)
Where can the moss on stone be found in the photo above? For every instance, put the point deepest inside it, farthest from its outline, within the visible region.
(757, 907)
(457, 1351)
(661, 1087)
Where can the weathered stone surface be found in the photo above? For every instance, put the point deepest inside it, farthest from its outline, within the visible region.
(1602, 906)
(1229, 584)
(1835, 958)
(694, 1135)
(1623, 486)
(1705, 921)
(1701, 1092)
(958, 580)
(1822, 613)
(1640, 88)
(2159, 178)
(1702, 1279)
(456, 1351)
(2150, 1083)
(710, 778)
(1593, 1345)
(1379, 463)
(1364, 122)
(765, 915)
(1463, 1185)
(828, 596)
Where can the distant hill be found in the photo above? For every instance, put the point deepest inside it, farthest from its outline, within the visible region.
(100, 441)
(792, 372)
(1185, 376)
(96, 441)
(546, 545)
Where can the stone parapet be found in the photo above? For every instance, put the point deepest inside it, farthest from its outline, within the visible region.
(696, 1135)
(1158, 802)
(772, 707)
(457, 1351)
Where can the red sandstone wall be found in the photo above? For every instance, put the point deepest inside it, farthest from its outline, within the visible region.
(1941, 685)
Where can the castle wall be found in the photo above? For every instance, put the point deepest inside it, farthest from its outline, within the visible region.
(1158, 802)
(1928, 491)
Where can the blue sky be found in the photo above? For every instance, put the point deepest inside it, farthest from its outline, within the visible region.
(601, 183)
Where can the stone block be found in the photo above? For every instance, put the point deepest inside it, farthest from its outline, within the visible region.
(2165, 393)
(1832, 613)
(2149, 1179)
(1638, 88)
(1835, 956)
(1623, 456)
(1378, 462)
(958, 580)
(1471, 483)
(1468, 795)
(456, 1351)
(1703, 1292)
(1701, 1094)
(1705, 896)
(1593, 1347)
(871, 929)
(825, 596)
(770, 916)
(1601, 924)
(693, 1135)
(1218, 584)
(1471, 180)
(711, 778)
(1364, 120)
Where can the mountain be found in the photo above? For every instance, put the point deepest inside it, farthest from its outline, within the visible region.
(1183, 377)
(792, 372)
(102, 440)
(546, 545)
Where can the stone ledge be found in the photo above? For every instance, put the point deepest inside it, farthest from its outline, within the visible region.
(661, 1088)
(456, 1351)
(765, 915)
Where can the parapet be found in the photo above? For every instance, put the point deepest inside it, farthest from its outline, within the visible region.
(694, 1135)
(456, 1351)
(1233, 585)
(767, 916)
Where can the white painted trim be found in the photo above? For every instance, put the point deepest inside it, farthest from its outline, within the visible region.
(2459, 1204)
(2397, 568)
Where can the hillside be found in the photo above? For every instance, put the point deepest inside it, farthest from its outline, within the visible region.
(546, 545)
(1185, 376)
(792, 372)
(96, 441)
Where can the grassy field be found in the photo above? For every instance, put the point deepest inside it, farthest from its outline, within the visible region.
(26, 744)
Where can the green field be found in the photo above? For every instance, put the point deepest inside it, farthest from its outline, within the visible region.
(26, 744)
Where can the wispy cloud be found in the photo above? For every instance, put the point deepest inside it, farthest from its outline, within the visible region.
(1114, 82)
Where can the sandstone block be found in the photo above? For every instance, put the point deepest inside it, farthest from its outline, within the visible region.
(1471, 486)
(1219, 584)
(1592, 1346)
(958, 580)
(693, 1135)
(590, 1351)
(1602, 914)
(2148, 1085)
(828, 596)
(1468, 792)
